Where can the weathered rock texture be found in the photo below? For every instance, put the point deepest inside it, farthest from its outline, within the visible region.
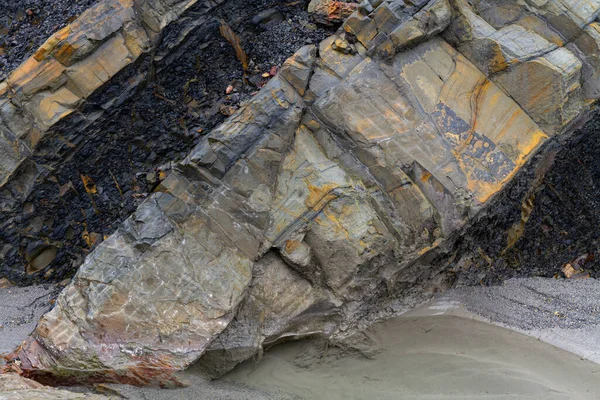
(328, 11)
(70, 66)
(166, 101)
(15, 387)
(50, 104)
(334, 195)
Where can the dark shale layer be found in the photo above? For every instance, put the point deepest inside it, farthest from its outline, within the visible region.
(546, 217)
(130, 147)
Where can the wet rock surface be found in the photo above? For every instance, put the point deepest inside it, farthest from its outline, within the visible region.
(396, 158)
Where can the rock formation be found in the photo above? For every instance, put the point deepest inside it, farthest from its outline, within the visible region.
(124, 138)
(13, 387)
(325, 201)
(70, 66)
(49, 105)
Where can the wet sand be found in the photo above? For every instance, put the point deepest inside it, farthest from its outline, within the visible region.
(564, 313)
(20, 309)
(437, 351)
(432, 357)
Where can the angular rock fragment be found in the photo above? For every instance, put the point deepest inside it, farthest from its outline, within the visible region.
(330, 11)
(587, 48)
(525, 61)
(390, 26)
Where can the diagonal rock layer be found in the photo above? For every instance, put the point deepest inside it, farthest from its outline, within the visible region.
(338, 195)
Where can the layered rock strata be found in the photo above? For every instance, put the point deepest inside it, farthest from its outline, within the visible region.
(70, 66)
(125, 137)
(57, 99)
(330, 196)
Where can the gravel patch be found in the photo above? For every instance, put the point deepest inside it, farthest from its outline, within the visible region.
(535, 303)
(20, 310)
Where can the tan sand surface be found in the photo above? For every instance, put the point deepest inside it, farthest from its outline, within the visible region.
(432, 357)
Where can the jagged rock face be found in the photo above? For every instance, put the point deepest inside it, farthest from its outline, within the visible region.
(69, 67)
(208, 242)
(327, 198)
(531, 53)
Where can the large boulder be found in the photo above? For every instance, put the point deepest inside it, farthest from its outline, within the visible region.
(206, 225)
(325, 201)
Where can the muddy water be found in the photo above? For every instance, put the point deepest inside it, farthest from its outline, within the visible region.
(441, 357)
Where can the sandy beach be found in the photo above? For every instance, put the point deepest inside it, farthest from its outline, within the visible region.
(436, 357)
(456, 347)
